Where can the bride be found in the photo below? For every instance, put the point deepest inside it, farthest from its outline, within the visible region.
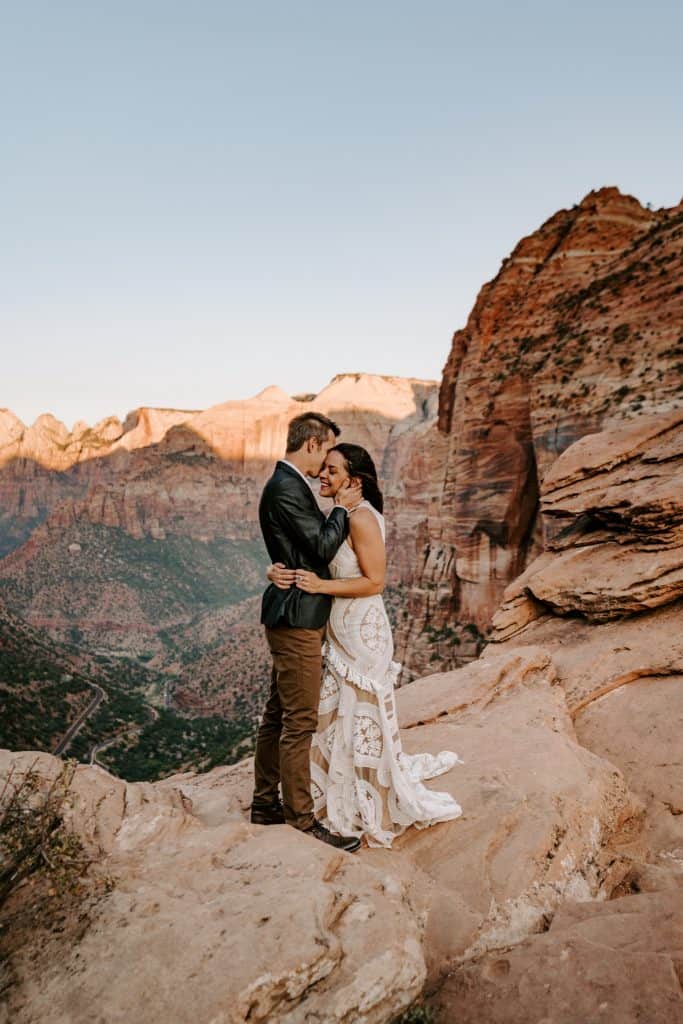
(363, 784)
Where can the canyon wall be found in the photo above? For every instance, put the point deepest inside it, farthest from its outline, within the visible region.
(200, 470)
(582, 329)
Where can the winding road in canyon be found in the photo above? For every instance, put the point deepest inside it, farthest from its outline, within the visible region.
(76, 726)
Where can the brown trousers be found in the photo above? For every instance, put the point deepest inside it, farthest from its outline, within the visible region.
(290, 718)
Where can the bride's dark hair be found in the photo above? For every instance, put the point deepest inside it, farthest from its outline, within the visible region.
(359, 464)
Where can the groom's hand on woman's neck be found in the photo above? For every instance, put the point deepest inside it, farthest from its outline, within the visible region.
(349, 495)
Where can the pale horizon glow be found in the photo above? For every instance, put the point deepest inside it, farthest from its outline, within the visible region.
(200, 202)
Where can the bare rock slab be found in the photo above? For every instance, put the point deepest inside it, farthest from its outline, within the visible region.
(619, 961)
(226, 924)
(540, 810)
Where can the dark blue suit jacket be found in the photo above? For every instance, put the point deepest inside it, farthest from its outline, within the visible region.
(297, 533)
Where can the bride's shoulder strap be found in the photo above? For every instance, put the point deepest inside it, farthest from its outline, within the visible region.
(377, 516)
(365, 504)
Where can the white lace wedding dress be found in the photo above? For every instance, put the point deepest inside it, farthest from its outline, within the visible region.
(362, 781)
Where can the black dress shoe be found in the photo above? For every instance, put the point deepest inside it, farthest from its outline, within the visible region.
(268, 814)
(318, 831)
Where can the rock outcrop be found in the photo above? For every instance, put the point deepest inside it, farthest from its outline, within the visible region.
(580, 331)
(615, 630)
(615, 640)
(228, 922)
(619, 498)
(618, 961)
(629, 488)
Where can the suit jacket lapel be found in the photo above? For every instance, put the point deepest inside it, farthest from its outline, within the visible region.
(284, 468)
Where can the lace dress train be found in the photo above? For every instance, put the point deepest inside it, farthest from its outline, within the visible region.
(363, 783)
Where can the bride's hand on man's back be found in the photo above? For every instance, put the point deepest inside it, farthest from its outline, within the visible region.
(309, 582)
(281, 576)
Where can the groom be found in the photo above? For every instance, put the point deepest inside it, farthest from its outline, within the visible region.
(297, 534)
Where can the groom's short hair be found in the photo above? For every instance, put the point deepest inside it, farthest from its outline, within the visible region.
(307, 425)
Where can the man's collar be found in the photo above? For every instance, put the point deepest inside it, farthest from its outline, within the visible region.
(290, 465)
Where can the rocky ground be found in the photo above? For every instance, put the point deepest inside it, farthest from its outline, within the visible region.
(557, 897)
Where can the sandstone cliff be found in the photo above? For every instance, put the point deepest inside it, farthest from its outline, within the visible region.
(582, 329)
(193, 474)
(168, 472)
(245, 436)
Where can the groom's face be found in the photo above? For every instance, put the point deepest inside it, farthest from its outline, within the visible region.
(318, 452)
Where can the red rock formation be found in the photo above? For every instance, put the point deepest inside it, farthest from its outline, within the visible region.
(111, 468)
(619, 497)
(581, 329)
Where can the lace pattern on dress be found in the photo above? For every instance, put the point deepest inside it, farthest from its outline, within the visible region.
(333, 659)
(363, 782)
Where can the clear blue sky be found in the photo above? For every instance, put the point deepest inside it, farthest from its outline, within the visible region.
(201, 199)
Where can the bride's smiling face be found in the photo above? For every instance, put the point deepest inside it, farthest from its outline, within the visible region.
(333, 474)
